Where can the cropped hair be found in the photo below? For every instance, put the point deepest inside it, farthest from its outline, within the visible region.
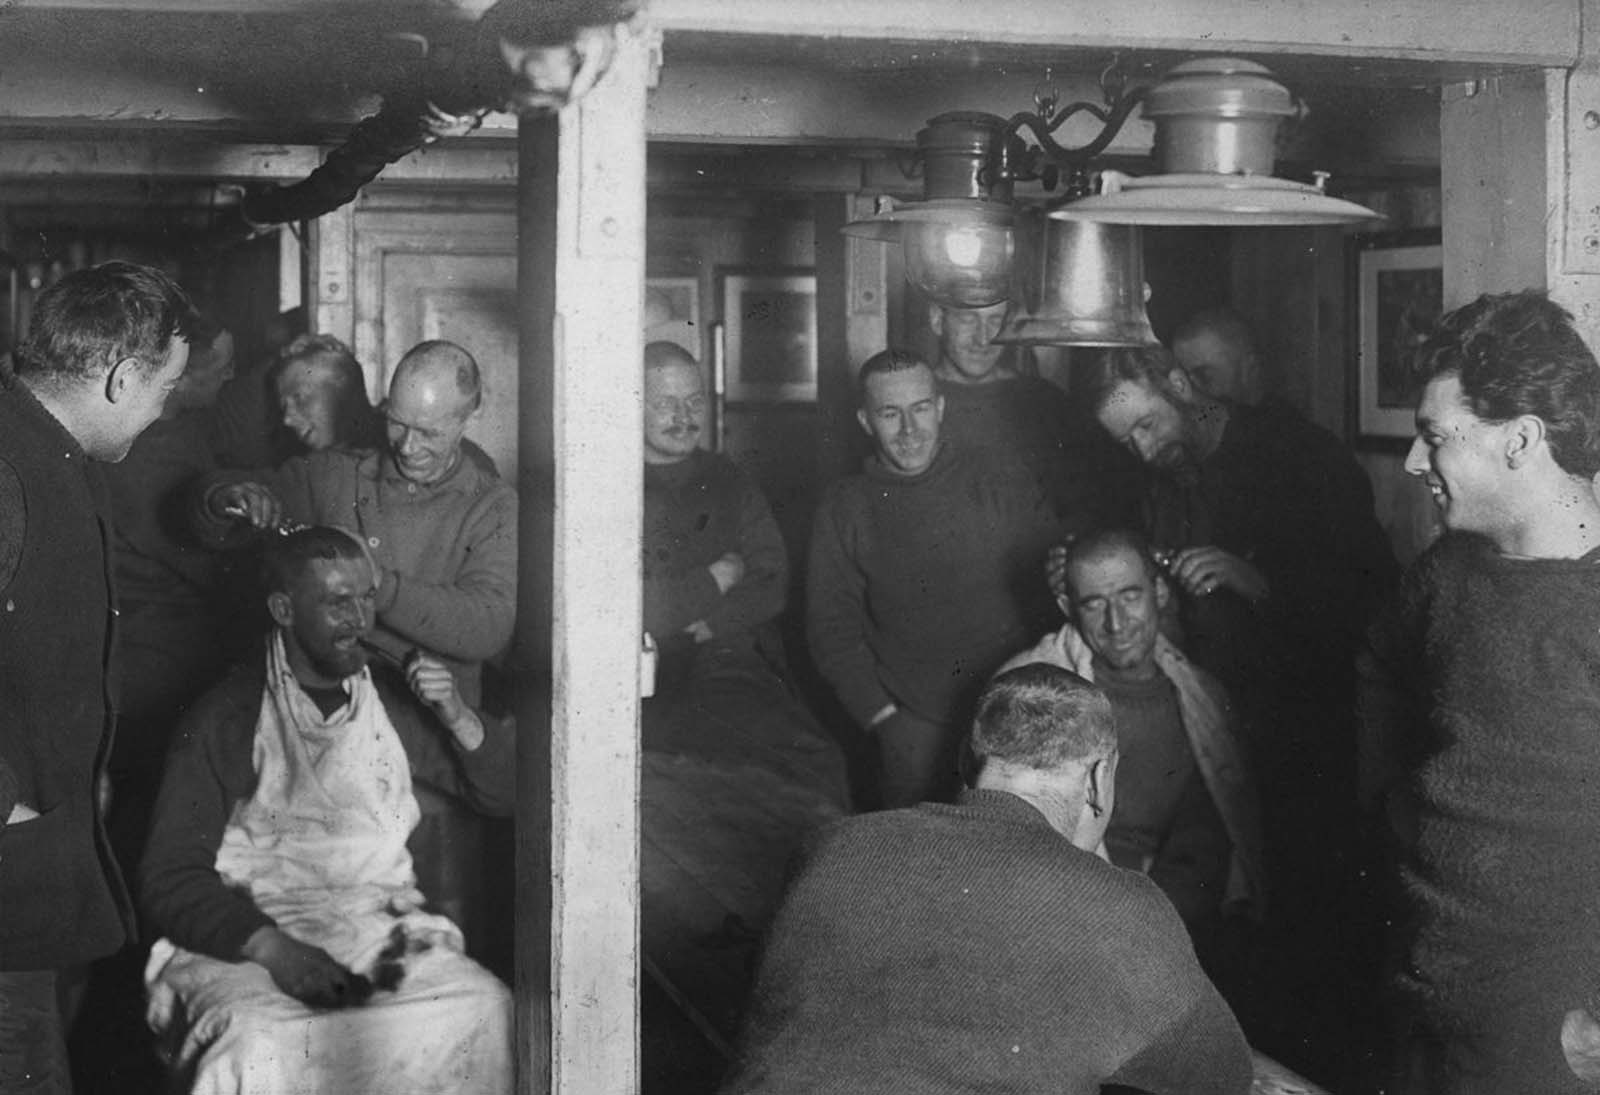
(1519, 354)
(285, 558)
(1225, 323)
(1041, 716)
(94, 317)
(659, 354)
(1151, 366)
(437, 353)
(356, 422)
(883, 363)
(1098, 543)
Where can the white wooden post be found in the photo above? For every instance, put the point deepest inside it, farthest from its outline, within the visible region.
(1526, 214)
(581, 284)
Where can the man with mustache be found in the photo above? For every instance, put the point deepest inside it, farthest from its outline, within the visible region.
(278, 874)
(716, 579)
(1481, 702)
(923, 577)
(715, 569)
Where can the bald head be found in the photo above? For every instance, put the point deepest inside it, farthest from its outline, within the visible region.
(435, 391)
(440, 366)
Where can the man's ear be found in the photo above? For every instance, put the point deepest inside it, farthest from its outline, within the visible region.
(1179, 384)
(861, 417)
(1102, 774)
(1524, 436)
(936, 320)
(1163, 591)
(280, 608)
(938, 408)
(121, 377)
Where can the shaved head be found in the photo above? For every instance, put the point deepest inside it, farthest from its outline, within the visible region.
(435, 390)
(658, 355)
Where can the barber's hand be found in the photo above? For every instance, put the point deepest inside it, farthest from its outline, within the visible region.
(252, 502)
(307, 973)
(699, 631)
(1055, 570)
(1580, 1044)
(1203, 570)
(432, 682)
(727, 571)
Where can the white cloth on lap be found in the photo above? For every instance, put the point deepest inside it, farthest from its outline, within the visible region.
(321, 848)
(231, 1031)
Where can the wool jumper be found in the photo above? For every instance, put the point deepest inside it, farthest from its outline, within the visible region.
(696, 511)
(446, 551)
(62, 899)
(919, 586)
(1481, 695)
(964, 948)
(1090, 481)
(1289, 497)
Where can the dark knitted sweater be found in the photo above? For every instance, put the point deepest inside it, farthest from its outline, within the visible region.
(1289, 497)
(1088, 479)
(695, 512)
(1481, 694)
(919, 586)
(62, 899)
(972, 948)
(211, 769)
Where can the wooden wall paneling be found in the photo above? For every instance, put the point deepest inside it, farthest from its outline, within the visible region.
(332, 269)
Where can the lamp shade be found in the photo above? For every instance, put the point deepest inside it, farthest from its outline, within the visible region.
(1238, 201)
(1091, 289)
(1216, 122)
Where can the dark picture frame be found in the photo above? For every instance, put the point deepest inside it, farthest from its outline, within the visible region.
(1396, 296)
(769, 317)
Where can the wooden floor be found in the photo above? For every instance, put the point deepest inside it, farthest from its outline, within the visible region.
(717, 840)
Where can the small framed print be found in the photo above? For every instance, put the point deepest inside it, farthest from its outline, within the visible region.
(1397, 297)
(770, 323)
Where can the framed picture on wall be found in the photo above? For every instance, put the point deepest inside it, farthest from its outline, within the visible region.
(1397, 297)
(770, 321)
(672, 312)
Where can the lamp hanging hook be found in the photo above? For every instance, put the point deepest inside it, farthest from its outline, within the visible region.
(1046, 95)
(1113, 81)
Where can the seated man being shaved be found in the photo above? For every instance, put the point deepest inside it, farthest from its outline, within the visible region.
(296, 952)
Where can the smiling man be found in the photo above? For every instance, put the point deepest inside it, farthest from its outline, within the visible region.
(1481, 693)
(1186, 813)
(441, 527)
(715, 571)
(923, 576)
(278, 873)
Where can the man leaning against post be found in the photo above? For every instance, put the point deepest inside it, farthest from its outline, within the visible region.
(105, 348)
